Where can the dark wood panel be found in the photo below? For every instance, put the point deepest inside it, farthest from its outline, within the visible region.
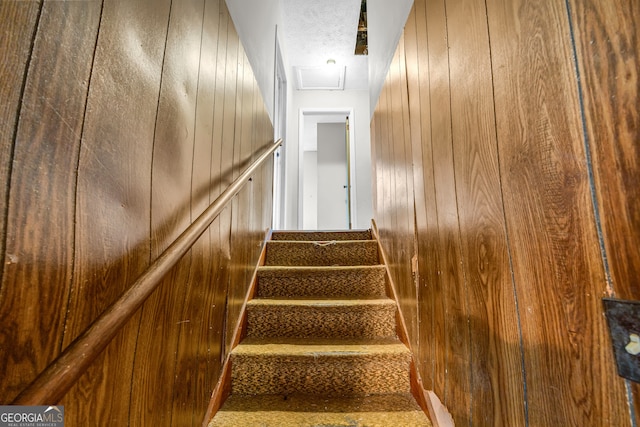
(216, 306)
(163, 316)
(114, 177)
(227, 169)
(548, 207)
(192, 388)
(154, 126)
(609, 60)
(237, 238)
(608, 53)
(496, 371)
(18, 22)
(45, 159)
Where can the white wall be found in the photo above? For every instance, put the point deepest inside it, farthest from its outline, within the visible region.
(358, 101)
(256, 22)
(385, 23)
(310, 220)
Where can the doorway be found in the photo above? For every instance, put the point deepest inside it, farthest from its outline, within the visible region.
(326, 193)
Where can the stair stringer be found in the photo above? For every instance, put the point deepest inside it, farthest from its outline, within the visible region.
(222, 389)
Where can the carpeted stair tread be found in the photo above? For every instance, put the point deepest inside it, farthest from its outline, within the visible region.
(318, 346)
(328, 368)
(347, 252)
(316, 302)
(362, 281)
(312, 411)
(322, 235)
(366, 318)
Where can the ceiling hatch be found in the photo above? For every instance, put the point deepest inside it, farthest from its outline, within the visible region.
(324, 77)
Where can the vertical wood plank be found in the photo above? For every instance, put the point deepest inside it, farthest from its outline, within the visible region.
(408, 240)
(609, 60)
(454, 363)
(161, 320)
(238, 256)
(112, 210)
(423, 190)
(45, 160)
(496, 372)
(549, 211)
(608, 56)
(216, 308)
(18, 23)
(192, 386)
(227, 168)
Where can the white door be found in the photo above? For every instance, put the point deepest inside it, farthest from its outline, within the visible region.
(332, 182)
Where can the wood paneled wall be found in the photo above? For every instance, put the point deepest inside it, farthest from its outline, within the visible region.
(506, 161)
(119, 123)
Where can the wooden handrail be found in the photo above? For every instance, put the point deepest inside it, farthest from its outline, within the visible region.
(54, 382)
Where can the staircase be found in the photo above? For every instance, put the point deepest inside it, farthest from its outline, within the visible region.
(321, 347)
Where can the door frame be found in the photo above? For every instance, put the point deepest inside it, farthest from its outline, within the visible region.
(346, 112)
(280, 131)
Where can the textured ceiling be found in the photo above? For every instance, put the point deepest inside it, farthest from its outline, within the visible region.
(318, 30)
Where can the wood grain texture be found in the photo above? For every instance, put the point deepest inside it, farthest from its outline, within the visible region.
(499, 128)
(157, 358)
(542, 144)
(608, 58)
(18, 22)
(213, 336)
(44, 177)
(191, 389)
(403, 196)
(451, 288)
(227, 172)
(126, 131)
(112, 210)
(496, 372)
(425, 215)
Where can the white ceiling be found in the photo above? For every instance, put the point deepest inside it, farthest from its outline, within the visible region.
(318, 30)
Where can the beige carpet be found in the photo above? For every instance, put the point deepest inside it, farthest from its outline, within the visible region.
(321, 346)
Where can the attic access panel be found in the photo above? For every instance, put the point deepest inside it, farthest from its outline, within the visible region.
(325, 77)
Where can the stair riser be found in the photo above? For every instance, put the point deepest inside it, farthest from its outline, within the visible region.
(327, 376)
(365, 283)
(321, 322)
(314, 254)
(322, 236)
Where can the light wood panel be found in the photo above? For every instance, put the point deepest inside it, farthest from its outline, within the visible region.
(496, 372)
(425, 215)
(499, 127)
(451, 288)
